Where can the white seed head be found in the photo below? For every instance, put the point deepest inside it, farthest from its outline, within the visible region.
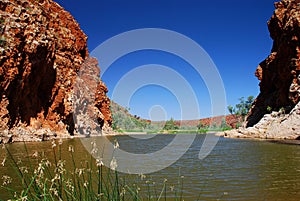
(142, 176)
(116, 145)
(35, 154)
(60, 141)
(79, 171)
(24, 170)
(6, 180)
(3, 162)
(99, 162)
(53, 144)
(94, 148)
(113, 164)
(71, 149)
(172, 188)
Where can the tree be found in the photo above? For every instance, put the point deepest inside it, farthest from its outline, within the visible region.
(242, 108)
(200, 125)
(249, 102)
(231, 109)
(170, 125)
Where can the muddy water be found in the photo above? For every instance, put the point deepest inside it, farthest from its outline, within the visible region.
(234, 170)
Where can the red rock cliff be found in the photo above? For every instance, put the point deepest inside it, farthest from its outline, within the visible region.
(42, 49)
(279, 74)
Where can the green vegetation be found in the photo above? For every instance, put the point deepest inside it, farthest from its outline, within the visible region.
(214, 127)
(170, 125)
(123, 121)
(282, 110)
(242, 108)
(269, 109)
(40, 177)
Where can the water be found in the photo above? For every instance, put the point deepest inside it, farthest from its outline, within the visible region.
(235, 169)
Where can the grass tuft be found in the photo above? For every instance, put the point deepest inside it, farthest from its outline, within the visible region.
(39, 177)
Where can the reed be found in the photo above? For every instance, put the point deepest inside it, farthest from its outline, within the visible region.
(41, 177)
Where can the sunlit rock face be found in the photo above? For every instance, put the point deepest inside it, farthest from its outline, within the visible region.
(279, 74)
(275, 113)
(42, 49)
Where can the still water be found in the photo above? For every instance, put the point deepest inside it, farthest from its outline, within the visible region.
(234, 170)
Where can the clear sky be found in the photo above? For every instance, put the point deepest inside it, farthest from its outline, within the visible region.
(234, 33)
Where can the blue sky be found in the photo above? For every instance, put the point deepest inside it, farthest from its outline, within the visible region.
(234, 34)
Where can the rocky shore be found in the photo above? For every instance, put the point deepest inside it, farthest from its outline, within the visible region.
(276, 125)
(275, 113)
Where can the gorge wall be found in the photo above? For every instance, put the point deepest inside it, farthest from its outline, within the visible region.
(276, 111)
(42, 50)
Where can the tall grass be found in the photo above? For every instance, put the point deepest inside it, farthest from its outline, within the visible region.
(41, 177)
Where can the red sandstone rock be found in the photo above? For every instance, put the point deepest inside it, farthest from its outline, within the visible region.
(279, 74)
(231, 120)
(42, 49)
(91, 105)
(280, 81)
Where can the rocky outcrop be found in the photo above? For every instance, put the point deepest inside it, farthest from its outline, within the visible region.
(279, 74)
(275, 113)
(92, 114)
(277, 125)
(42, 49)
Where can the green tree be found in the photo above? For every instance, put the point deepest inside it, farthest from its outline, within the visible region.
(231, 109)
(200, 125)
(170, 125)
(249, 102)
(242, 108)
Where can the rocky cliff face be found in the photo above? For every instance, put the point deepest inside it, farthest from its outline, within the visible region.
(275, 113)
(42, 49)
(279, 74)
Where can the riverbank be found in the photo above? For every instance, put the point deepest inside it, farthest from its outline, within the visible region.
(274, 126)
(43, 134)
(237, 134)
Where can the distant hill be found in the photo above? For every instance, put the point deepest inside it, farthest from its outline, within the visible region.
(230, 120)
(123, 120)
